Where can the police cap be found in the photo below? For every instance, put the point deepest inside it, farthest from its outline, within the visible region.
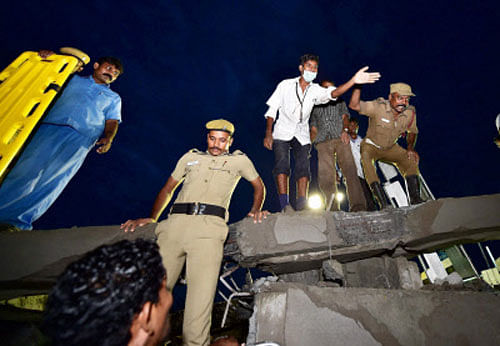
(402, 89)
(82, 56)
(220, 125)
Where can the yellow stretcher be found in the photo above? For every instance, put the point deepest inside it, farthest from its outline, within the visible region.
(27, 87)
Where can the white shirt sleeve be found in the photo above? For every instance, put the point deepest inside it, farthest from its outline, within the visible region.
(271, 113)
(325, 95)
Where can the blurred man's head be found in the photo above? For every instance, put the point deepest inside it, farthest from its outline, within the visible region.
(114, 295)
(353, 127)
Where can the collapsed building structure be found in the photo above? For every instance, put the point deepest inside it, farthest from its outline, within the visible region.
(339, 278)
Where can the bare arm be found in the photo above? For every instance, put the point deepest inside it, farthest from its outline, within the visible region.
(313, 132)
(161, 201)
(259, 192)
(268, 139)
(163, 198)
(344, 136)
(355, 98)
(361, 77)
(110, 130)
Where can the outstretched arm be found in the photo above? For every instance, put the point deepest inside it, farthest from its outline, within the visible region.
(361, 77)
(161, 201)
(355, 98)
(259, 192)
(110, 130)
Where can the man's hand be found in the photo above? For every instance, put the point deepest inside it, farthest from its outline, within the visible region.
(362, 77)
(345, 137)
(268, 142)
(131, 225)
(413, 156)
(45, 53)
(258, 215)
(104, 144)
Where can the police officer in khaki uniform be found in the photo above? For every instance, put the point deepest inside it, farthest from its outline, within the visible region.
(389, 119)
(196, 228)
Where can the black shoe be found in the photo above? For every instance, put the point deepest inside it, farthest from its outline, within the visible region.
(379, 195)
(414, 189)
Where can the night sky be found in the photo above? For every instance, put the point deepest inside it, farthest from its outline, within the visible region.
(187, 63)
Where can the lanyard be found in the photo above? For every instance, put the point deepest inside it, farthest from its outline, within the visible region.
(298, 98)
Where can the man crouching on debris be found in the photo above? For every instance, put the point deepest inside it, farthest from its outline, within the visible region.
(196, 228)
(389, 119)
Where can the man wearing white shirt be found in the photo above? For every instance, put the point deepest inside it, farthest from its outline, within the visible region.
(294, 99)
(356, 154)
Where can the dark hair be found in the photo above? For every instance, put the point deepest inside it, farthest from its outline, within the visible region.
(111, 60)
(306, 57)
(94, 301)
(354, 120)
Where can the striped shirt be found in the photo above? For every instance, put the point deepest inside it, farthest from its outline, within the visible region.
(327, 119)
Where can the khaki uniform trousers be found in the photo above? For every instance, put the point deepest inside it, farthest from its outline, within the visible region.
(327, 172)
(394, 154)
(198, 241)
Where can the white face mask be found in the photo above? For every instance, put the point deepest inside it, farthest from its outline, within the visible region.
(309, 76)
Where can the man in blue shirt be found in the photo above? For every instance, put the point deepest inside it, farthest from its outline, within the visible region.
(86, 110)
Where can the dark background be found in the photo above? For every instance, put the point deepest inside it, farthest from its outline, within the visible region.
(188, 62)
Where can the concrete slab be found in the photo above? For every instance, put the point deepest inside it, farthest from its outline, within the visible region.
(30, 261)
(300, 241)
(383, 272)
(362, 316)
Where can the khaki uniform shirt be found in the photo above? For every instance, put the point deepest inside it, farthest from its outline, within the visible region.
(383, 130)
(211, 179)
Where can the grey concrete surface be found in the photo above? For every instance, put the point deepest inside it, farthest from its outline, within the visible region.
(383, 272)
(30, 261)
(375, 272)
(310, 277)
(295, 314)
(283, 243)
(291, 242)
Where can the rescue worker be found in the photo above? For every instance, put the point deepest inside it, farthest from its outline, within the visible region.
(290, 105)
(328, 125)
(389, 119)
(196, 228)
(87, 114)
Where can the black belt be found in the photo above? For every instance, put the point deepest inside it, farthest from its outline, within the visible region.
(198, 209)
